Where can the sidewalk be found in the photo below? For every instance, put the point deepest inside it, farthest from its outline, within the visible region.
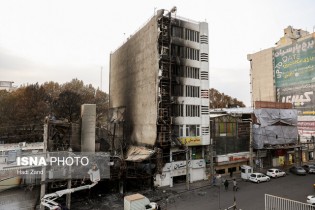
(182, 188)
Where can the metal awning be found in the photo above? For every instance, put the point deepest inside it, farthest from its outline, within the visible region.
(138, 154)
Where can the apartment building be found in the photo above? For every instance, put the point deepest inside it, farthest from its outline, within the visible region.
(161, 76)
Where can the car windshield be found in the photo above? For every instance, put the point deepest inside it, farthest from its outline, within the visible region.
(270, 170)
(253, 175)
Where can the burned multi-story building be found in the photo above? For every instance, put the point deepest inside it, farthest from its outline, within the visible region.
(160, 75)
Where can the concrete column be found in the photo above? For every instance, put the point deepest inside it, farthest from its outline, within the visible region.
(88, 119)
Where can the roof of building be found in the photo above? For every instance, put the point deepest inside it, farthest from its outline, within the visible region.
(133, 197)
(217, 115)
(240, 110)
(22, 146)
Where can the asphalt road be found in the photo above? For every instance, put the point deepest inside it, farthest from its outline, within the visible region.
(249, 197)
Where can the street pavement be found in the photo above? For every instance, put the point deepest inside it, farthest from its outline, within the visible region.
(250, 196)
(203, 195)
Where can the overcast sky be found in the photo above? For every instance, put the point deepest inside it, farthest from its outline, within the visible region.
(60, 40)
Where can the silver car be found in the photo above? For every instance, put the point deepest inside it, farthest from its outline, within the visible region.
(309, 168)
(259, 177)
(298, 170)
(274, 172)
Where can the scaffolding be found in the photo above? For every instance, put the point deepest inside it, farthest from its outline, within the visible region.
(164, 121)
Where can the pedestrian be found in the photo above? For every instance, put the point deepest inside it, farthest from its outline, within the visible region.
(214, 180)
(231, 173)
(226, 185)
(234, 185)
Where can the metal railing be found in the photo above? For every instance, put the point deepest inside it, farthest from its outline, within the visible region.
(278, 203)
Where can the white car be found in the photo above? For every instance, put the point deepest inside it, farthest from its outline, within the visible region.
(259, 177)
(311, 199)
(273, 172)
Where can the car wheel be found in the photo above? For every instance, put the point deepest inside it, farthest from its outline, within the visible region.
(276, 176)
(269, 180)
(258, 181)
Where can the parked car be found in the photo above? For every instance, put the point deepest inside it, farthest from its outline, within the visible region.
(274, 172)
(259, 177)
(298, 170)
(309, 168)
(311, 199)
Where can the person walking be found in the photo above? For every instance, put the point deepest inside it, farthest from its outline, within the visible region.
(234, 185)
(226, 185)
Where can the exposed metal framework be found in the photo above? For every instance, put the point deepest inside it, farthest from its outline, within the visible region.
(164, 122)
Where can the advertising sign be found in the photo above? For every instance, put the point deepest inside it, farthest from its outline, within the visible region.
(294, 71)
(295, 64)
(301, 96)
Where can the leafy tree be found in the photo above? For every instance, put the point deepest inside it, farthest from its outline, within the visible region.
(220, 100)
(68, 105)
(32, 104)
(102, 106)
(22, 112)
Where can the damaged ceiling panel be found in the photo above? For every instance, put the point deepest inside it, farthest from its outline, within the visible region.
(138, 154)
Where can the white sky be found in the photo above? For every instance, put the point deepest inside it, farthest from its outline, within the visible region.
(58, 40)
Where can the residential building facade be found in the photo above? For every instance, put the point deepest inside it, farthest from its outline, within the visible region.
(7, 85)
(286, 73)
(161, 76)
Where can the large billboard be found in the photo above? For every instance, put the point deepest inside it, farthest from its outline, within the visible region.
(294, 71)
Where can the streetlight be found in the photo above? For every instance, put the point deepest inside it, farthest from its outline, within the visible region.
(219, 187)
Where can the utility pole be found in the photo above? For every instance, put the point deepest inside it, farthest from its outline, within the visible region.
(251, 144)
(313, 141)
(68, 196)
(211, 159)
(187, 167)
(43, 177)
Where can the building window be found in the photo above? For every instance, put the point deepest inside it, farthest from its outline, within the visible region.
(178, 51)
(179, 130)
(191, 35)
(196, 152)
(204, 57)
(192, 72)
(178, 71)
(192, 130)
(204, 39)
(205, 131)
(204, 110)
(204, 94)
(177, 31)
(192, 54)
(192, 111)
(177, 90)
(179, 155)
(178, 110)
(204, 75)
(192, 91)
(231, 129)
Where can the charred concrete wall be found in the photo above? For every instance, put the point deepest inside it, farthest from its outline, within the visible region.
(133, 83)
